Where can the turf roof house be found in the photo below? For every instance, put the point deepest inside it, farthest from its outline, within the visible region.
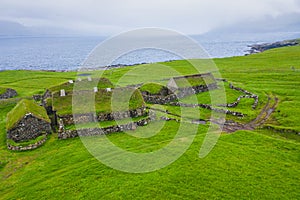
(177, 88)
(206, 80)
(27, 121)
(192, 84)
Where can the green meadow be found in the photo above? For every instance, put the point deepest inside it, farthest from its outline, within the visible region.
(259, 164)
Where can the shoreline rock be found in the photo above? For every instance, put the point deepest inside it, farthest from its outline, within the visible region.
(258, 48)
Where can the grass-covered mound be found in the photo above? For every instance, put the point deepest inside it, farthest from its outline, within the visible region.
(24, 107)
(84, 84)
(152, 88)
(191, 81)
(119, 99)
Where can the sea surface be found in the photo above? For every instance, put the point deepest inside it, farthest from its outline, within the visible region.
(68, 53)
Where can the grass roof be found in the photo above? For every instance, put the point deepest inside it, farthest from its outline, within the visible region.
(194, 81)
(84, 84)
(24, 107)
(122, 99)
(152, 88)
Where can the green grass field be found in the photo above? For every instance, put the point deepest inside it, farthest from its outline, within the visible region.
(2, 90)
(257, 164)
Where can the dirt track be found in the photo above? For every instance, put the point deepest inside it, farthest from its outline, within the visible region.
(264, 115)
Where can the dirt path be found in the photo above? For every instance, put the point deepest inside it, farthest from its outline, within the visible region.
(263, 116)
(231, 127)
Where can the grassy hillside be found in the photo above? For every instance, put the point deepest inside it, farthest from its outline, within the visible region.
(27, 83)
(257, 164)
(2, 90)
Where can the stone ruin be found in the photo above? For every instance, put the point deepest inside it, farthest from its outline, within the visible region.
(173, 91)
(10, 93)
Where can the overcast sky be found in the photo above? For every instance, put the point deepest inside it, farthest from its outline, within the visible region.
(107, 17)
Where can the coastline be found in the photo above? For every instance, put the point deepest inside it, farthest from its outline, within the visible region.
(253, 49)
(258, 48)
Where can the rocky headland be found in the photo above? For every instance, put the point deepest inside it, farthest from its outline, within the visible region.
(257, 48)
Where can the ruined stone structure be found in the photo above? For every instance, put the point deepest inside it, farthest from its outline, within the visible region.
(208, 79)
(176, 92)
(10, 93)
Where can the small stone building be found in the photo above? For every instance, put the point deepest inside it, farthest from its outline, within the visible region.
(206, 80)
(27, 121)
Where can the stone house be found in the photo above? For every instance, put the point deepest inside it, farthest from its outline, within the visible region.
(27, 121)
(205, 80)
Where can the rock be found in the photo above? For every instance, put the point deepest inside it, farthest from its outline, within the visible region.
(37, 97)
(257, 48)
(10, 93)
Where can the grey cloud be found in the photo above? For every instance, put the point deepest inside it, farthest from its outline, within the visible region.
(111, 16)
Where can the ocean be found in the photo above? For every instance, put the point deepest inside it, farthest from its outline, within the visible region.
(68, 53)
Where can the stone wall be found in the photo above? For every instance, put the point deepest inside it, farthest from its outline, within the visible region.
(37, 97)
(209, 107)
(79, 118)
(92, 117)
(248, 95)
(29, 147)
(10, 93)
(158, 99)
(28, 128)
(183, 92)
(46, 95)
(65, 134)
(180, 93)
(236, 103)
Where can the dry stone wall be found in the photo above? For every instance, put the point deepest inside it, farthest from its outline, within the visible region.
(29, 147)
(92, 117)
(209, 107)
(65, 134)
(180, 93)
(248, 95)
